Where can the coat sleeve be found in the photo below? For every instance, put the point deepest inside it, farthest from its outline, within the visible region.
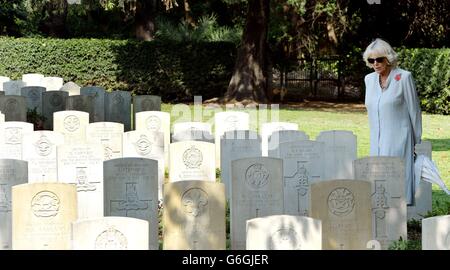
(412, 101)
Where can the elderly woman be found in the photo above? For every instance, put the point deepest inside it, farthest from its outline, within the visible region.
(395, 117)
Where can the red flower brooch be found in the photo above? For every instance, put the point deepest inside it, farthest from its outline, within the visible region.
(398, 77)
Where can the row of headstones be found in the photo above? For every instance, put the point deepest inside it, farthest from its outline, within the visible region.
(44, 216)
(189, 159)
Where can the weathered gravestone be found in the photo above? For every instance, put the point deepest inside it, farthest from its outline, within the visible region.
(12, 172)
(387, 178)
(110, 233)
(149, 145)
(81, 103)
(340, 152)
(12, 88)
(131, 190)
(282, 136)
(193, 135)
(191, 126)
(192, 160)
(52, 101)
(11, 138)
(228, 121)
(158, 122)
(71, 88)
(118, 108)
(436, 233)
(344, 208)
(99, 95)
(2, 80)
(268, 128)
(237, 144)
(82, 165)
(42, 214)
(33, 95)
(107, 134)
(194, 216)
(14, 108)
(33, 79)
(142, 103)
(302, 166)
(52, 83)
(284, 232)
(72, 124)
(422, 193)
(257, 191)
(39, 149)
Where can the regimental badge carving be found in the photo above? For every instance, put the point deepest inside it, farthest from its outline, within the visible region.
(82, 180)
(56, 100)
(71, 123)
(231, 122)
(192, 157)
(111, 239)
(147, 105)
(194, 202)
(256, 176)
(34, 95)
(118, 99)
(11, 105)
(43, 146)
(143, 146)
(13, 135)
(131, 202)
(5, 203)
(341, 202)
(45, 204)
(284, 239)
(153, 123)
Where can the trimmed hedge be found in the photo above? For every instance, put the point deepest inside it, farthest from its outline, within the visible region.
(175, 71)
(431, 71)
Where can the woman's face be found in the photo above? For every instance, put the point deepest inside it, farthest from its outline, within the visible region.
(380, 63)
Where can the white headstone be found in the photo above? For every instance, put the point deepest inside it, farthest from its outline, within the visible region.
(33, 79)
(228, 121)
(257, 191)
(72, 124)
(131, 190)
(268, 128)
(143, 144)
(82, 164)
(107, 134)
(179, 127)
(71, 88)
(155, 121)
(192, 160)
(302, 166)
(436, 233)
(282, 136)
(340, 152)
(2, 80)
(387, 178)
(237, 144)
(284, 232)
(39, 149)
(12, 172)
(11, 138)
(53, 83)
(110, 233)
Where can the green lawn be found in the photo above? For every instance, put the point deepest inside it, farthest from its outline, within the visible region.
(436, 128)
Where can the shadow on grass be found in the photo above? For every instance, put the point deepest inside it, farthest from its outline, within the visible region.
(440, 144)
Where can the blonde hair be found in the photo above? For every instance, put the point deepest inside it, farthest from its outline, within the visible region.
(381, 48)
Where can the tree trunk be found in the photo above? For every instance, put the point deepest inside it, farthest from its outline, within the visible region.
(145, 20)
(249, 81)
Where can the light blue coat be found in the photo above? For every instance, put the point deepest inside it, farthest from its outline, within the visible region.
(395, 120)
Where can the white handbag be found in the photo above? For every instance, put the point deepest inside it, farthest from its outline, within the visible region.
(425, 169)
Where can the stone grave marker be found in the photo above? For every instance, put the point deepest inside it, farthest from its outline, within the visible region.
(436, 233)
(72, 88)
(53, 83)
(33, 79)
(2, 80)
(12, 172)
(99, 95)
(52, 101)
(12, 88)
(42, 214)
(193, 135)
(110, 233)
(11, 138)
(268, 128)
(33, 95)
(72, 124)
(131, 190)
(387, 178)
(284, 232)
(142, 103)
(257, 191)
(118, 108)
(39, 149)
(14, 108)
(194, 216)
(194, 126)
(344, 208)
(81, 103)
(107, 134)
(282, 136)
